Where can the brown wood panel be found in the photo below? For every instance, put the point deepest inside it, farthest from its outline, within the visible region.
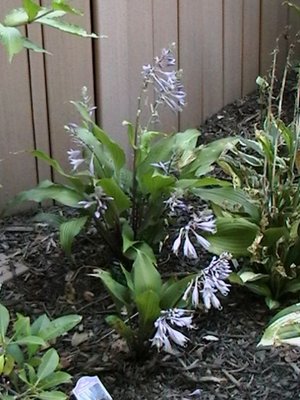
(251, 37)
(274, 19)
(233, 40)
(67, 70)
(212, 57)
(119, 60)
(17, 169)
(191, 36)
(165, 32)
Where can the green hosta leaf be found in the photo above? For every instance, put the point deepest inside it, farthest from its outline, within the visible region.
(31, 8)
(47, 190)
(200, 182)
(16, 353)
(112, 189)
(28, 374)
(148, 307)
(16, 17)
(55, 21)
(208, 155)
(284, 327)
(272, 235)
(56, 379)
(53, 395)
(68, 230)
(173, 292)
(251, 160)
(127, 236)
(161, 151)
(234, 235)
(49, 363)
(54, 220)
(2, 360)
(116, 152)
(292, 286)
(59, 326)
(28, 44)
(266, 143)
(249, 276)
(271, 303)
(259, 288)
(118, 291)
(40, 325)
(233, 200)
(31, 340)
(74, 180)
(155, 183)
(253, 145)
(123, 330)
(145, 275)
(4, 321)
(12, 40)
(235, 278)
(22, 326)
(186, 140)
(63, 6)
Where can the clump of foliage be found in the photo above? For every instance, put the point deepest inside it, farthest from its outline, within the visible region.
(266, 170)
(284, 328)
(29, 366)
(133, 207)
(53, 15)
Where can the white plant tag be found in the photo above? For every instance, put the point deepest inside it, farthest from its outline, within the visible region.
(90, 388)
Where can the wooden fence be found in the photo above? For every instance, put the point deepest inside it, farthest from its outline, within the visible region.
(222, 46)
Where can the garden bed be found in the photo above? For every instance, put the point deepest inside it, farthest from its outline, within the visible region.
(221, 360)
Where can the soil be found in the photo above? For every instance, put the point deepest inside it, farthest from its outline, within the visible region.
(222, 360)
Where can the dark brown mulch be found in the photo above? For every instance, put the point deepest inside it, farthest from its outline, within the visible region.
(222, 360)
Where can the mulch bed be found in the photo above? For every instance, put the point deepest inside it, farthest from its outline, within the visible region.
(222, 360)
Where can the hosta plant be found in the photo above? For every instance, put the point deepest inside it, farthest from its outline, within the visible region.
(134, 203)
(127, 199)
(266, 169)
(29, 365)
(156, 310)
(284, 328)
(53, 15)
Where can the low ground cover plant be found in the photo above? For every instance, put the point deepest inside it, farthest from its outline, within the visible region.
(29, 365)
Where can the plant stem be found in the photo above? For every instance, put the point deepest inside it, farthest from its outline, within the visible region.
(270, 120)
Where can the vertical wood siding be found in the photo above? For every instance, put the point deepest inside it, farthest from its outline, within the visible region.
(222, 45)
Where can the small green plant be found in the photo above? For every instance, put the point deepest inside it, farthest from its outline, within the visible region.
(29, 366)
(32, 12)
(159, 304)
(266, 170)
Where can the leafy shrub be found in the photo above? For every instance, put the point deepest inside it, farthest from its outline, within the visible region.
(266, 170)
(31, 12)
(29, 366)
